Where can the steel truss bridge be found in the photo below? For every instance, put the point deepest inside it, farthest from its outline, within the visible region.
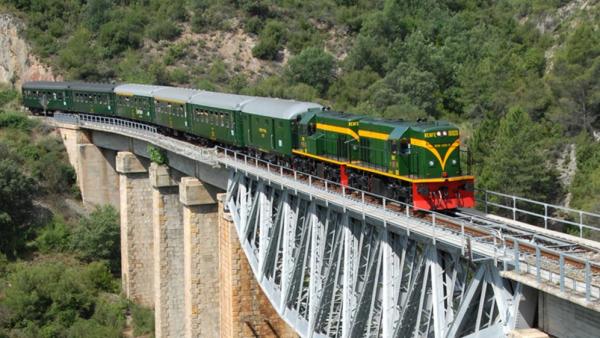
(340, 262)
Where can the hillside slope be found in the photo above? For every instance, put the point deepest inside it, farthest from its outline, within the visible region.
(471, 62)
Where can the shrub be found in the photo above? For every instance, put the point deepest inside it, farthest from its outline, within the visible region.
(55, 237)
(157, 155)
(7, 96)
(271, 40)
(163, 30)
(143, 320)
(97, 237)
(314, 67)
(15, 120)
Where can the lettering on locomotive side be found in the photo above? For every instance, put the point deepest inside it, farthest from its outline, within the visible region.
(353, 124)
(435, 134)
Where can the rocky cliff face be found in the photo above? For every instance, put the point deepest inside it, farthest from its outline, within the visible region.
(17, 64)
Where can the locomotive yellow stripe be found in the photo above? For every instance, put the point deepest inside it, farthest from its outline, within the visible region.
(375, 171)
(339, 130)
(434, 151)
(373, 134)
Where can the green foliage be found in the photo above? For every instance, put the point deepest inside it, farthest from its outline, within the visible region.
(271, 40)
(585, 188)
(54, 237)
(7, 96)
(97, 237)
(53, 298)
(157, 155)
(16, 191)
(124, 31)
(575, 81)
(517, 155)
(313, 66)
(163, 30)
(15, 121)
(143, 320)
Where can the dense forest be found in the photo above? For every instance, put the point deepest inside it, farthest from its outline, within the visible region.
(59, 265)
(522, 78)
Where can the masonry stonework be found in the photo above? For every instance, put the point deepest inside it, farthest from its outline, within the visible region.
(245, 310)
(137, 234)
(168, 254)
(201, 261)
(98, 180)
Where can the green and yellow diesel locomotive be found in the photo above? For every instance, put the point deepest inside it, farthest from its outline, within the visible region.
(416, 162)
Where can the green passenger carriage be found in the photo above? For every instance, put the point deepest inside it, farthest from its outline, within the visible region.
(93, 98)
(48, 96)
(418, 162)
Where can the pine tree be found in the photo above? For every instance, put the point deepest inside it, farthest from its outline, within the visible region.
(517, 162)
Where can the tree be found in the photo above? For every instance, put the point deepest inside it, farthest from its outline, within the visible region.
(517, 162)
(98, 237)
(97, 13)
(16, 192)
(314, 67)
(270, 41)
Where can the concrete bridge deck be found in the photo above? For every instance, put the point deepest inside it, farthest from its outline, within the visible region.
(180, 249)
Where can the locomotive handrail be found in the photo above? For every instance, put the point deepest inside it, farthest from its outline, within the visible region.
(546, 216)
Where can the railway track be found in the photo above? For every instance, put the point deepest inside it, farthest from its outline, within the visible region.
(552, 251)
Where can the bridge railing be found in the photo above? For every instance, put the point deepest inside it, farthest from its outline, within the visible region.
(525, 256)
(579, 272)
(510, 250)
(585, 224)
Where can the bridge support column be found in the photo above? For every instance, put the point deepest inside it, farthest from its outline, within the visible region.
(98, 179)
(201, 264)
(245, 310)
(136, 229)
(95, 167)
(168, 253)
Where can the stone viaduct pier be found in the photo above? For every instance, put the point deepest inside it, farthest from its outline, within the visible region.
(180, 253)
(222, 247)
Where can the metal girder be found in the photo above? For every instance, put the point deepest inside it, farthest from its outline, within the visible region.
(330, 273)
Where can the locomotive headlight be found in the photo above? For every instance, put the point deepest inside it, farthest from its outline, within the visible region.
(439, 133)
(445, 133)
(431, 163)
(454, 162)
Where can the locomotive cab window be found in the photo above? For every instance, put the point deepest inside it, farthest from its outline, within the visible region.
(404, 147)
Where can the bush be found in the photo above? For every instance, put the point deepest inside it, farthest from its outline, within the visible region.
(163, 30)
(98, 237)
(271, 40)
(143, 320)
(314, 67)
(16, 121)
(55, 299)
(16, 191)
(157, 155)
(266, 49)
(54, 237)
(8, 95)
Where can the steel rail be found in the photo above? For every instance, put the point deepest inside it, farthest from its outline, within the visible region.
(504, 248)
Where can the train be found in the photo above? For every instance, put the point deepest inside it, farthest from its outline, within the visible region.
(416, 162)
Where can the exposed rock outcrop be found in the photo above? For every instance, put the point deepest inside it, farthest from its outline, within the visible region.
(17, 64)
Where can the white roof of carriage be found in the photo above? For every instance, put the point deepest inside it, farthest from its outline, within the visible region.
(130, 89)
(220, 100)
(264, 106)
(277, 108)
